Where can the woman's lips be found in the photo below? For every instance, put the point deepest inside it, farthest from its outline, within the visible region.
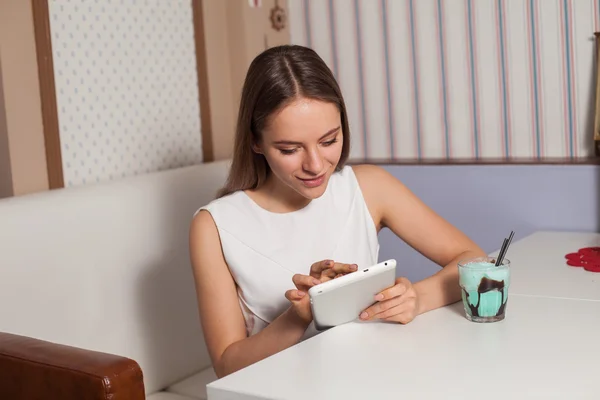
(313, 182)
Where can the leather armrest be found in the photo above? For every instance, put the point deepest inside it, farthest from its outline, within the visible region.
(34, 369)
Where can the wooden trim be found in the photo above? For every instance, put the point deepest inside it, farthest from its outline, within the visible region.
(208, 153)
(597, 105)
(6, 179)
(491, 161)
(43, 40)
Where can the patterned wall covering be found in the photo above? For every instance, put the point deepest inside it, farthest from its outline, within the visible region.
(459, 78)
(126, 86)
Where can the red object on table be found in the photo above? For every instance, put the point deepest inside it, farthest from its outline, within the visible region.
(587, 257)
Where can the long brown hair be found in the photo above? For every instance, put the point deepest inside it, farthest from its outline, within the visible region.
(274, 79)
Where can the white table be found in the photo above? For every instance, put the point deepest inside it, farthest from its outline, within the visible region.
(539, 267)
(547, 347)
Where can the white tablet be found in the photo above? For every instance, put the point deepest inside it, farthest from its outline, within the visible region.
(341, 300)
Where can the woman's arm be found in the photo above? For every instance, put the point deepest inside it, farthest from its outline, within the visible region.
(394, 206)
(220, 314)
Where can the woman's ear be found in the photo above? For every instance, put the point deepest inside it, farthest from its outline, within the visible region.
(256, 148)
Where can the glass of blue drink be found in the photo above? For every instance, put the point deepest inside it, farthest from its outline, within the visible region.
(484, 288)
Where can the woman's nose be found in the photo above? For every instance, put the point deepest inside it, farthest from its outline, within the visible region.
(313, 162)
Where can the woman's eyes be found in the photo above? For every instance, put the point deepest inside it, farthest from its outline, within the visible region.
(292, 151)
(287, 151)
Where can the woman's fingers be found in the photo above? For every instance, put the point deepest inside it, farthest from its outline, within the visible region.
(300, 304)
(403, 313)
(304, 282)
(378, 309)
(340, 268)
(401, 286)
(317, 268)
(393, 313)
(330, 269)
(294, 295)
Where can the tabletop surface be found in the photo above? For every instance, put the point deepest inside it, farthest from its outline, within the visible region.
(539, 268)
(547, 347)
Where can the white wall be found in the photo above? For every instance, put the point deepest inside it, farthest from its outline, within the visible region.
(433, 79)
(530, 198)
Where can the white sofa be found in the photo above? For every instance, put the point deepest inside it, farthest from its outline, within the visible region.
(105, 268)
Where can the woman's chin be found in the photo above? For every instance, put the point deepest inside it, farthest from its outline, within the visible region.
(312, 193)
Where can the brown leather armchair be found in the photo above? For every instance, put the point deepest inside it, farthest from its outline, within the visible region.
(33, 369)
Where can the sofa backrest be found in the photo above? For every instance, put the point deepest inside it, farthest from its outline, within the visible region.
(106, 267)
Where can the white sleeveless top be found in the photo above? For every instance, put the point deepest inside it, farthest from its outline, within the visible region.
(264, 249)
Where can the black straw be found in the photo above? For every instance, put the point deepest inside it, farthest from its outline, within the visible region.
(501, 251)
(504, 248)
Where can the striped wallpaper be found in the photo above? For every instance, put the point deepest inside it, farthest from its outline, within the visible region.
(459, 79)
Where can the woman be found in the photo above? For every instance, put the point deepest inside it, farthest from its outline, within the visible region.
(292, 215)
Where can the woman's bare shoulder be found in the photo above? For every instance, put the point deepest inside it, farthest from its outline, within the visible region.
(368, 170)
(374, 179)
(203, 223)
(374, 183)
(205, 243)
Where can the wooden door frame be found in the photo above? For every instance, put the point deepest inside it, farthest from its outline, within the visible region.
(43, 44)
(208, 153)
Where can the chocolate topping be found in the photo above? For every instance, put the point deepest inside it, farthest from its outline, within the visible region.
(487, 285)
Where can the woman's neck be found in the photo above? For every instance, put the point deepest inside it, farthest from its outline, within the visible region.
(275, 196)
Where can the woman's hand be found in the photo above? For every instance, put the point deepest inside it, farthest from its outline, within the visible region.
(399, 303)
(320, 272)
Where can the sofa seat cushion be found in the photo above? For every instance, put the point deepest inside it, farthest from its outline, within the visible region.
(168, 396)
(195, 385)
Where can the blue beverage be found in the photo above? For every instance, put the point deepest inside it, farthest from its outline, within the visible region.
(484, 288)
